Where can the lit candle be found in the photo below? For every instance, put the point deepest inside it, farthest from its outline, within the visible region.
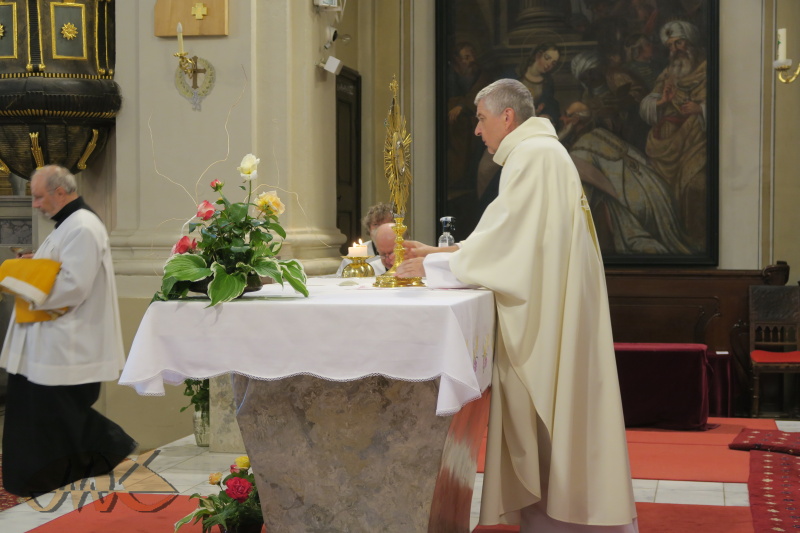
(357, 250)
(782, 44)
(180, 38)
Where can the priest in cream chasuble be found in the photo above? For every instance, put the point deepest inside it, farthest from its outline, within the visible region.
(556, 454)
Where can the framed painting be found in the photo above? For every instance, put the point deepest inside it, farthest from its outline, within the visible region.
(630, 87)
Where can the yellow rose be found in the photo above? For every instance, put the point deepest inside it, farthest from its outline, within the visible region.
(243, 462)
(215, 478)
(269, 203)
(248, 167)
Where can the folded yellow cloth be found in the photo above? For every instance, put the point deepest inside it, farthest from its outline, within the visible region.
(30, 280)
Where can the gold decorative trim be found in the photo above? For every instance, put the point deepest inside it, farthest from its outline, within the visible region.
(53, 31)
(38, 156)
(13, 32)
(4, 168)
(62, 114)
(41, 45)
(89, 149)
(69, 31)
(30, 74)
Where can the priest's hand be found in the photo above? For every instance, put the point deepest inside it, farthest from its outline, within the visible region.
(411, 268)
(417, 249)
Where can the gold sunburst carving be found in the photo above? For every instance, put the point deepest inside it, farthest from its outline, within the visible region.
(69, 31)
(397, 154)
(2, 31)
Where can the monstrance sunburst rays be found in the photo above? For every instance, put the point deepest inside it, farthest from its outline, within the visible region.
(397, 154)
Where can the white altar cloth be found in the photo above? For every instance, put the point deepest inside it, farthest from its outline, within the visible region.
(338, 333)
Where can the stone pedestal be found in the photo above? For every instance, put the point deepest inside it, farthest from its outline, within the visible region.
(225, 434)
(366, 455)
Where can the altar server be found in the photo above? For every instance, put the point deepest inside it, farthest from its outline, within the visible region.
(56, 362)
(556, 455)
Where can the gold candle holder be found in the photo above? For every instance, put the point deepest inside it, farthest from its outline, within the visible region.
(358, 267)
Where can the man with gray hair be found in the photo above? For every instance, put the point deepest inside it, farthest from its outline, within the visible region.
(52, 436)
(556, 457)
(676, 112)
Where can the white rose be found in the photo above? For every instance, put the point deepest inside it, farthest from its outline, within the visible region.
(248, 167)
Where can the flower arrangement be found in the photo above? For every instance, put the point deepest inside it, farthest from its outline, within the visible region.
(236, 242)
(235, 508)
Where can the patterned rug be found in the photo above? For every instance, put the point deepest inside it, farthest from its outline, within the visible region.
(7, 499)
(773, 487)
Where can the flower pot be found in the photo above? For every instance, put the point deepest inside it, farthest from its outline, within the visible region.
(253, 284)
(202, 421)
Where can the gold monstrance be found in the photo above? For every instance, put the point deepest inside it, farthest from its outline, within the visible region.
(397, 168)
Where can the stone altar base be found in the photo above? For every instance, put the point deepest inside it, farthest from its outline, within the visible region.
(365, 455)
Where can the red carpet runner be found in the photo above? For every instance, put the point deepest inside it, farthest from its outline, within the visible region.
(774, 494)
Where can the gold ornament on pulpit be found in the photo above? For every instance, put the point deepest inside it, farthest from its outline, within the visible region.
(397, 168)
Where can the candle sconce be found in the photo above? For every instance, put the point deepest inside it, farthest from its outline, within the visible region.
(187, 65)
(191, 69)
(782, 65)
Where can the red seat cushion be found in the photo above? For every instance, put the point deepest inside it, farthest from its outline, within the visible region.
(763, 356)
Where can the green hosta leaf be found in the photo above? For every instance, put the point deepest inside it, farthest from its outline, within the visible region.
(186, 267)
(275, 247)
(265, 266)
(293, 273)
(240, 249)
(225, 287)
(171, 289)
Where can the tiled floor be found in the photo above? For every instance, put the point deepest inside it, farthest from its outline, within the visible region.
(186, 467)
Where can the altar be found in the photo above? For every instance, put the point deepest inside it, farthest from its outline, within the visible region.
(359, 407)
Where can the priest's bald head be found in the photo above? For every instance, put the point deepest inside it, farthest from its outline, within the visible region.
(52, 187)
(502, 107)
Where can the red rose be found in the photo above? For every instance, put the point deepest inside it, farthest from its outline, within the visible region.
(205, 210)
(238, 489)
(216, 185)
(184, 245)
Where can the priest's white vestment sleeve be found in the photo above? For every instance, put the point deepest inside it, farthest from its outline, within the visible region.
(556, 431)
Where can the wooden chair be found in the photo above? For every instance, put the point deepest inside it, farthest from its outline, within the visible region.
(774, 325)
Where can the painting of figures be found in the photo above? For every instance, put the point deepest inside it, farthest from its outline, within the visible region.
(630, 87)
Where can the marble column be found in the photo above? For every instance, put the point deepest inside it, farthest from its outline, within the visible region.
(224, 431)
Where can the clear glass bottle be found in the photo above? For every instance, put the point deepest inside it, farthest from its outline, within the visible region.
(446, 239)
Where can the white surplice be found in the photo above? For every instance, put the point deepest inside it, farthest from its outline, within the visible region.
(85, 344)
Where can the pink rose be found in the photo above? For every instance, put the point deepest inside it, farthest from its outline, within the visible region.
(205, 210)
(216, 185)
(184, 245)
(238, 489)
